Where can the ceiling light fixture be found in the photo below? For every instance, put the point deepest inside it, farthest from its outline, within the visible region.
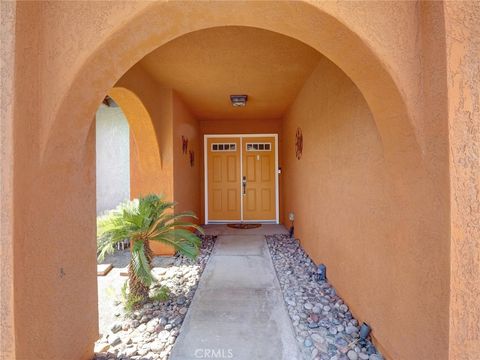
(239, 100)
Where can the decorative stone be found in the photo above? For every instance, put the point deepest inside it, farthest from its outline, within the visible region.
(352, 355)
(156, 346)
(130, 351)
(341, 342)
(317, 312)
(351, 330)
(114, 340)
(116, 328)
(181, 300)
(333, 330)
(135, 324)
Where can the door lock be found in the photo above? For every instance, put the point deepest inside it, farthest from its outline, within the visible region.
(244, 185)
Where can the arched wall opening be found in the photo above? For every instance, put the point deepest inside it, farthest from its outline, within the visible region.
(147, 172)
(112, 155)
(149, 29)
(145, 160)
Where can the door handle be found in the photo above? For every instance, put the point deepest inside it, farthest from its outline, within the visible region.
(244, 185)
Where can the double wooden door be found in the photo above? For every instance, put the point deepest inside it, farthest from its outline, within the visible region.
(241, 178)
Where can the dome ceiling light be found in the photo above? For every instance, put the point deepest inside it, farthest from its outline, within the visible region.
(239, 100)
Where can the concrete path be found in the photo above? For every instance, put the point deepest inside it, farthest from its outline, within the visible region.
(238, 311)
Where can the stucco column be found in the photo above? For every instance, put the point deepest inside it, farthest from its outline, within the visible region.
(7, 41)
(463, 63)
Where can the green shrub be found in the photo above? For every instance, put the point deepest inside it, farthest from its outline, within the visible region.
(130, 301)
(161, 294)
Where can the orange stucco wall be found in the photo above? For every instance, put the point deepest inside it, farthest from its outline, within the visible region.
(7, 39)
(186, 177)
(342, 179)
(463, 49)
(149, 110)
(151, 159)
(158, 118)
(68, 55)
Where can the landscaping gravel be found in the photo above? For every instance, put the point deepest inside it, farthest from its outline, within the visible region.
(324, 326)
(151, 331)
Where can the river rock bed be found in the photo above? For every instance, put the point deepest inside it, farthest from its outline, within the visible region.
(324, 326)
(150, 332)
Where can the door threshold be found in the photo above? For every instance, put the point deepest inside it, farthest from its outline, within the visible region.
(222, 222)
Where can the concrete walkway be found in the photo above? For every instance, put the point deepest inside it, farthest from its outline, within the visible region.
(238, 311)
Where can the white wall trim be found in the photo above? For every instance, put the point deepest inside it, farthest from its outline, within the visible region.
(205, 165)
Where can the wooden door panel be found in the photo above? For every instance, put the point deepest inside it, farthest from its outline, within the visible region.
(251, 200)
(232, 200)
(266, 168)
(217, 169)
(249, 170)
(266, 201)
(217, 200)
(232, 175)
(259, 201)
(223, 179)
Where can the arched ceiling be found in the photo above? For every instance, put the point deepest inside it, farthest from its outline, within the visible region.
(206, 67)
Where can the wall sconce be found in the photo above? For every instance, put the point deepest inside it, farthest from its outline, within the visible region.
(239, 100)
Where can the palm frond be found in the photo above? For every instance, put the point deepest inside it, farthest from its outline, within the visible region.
(184, 241)
(149, 218)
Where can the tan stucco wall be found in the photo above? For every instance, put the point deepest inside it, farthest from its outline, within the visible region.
(463, 57)
(7, 84)
(158, 119)
(150, 115)
(342, 180)
(149, 110)
(69, 54)
(186, 178)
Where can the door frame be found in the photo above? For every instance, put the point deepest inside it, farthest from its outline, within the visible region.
(205, 165)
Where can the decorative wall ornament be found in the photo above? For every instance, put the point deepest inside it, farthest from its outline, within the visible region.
(192, 158)
(298, 143)
(184, 144)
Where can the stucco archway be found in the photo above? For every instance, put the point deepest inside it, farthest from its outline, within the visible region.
(147, 174)
(66, 173)
(145, 160)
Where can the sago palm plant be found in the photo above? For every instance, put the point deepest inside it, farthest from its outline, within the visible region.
(142, 220)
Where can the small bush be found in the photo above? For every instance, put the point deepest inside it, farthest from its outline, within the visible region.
(130, 301)
(161, 294)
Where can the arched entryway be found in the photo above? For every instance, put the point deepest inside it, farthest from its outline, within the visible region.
(73, 186)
